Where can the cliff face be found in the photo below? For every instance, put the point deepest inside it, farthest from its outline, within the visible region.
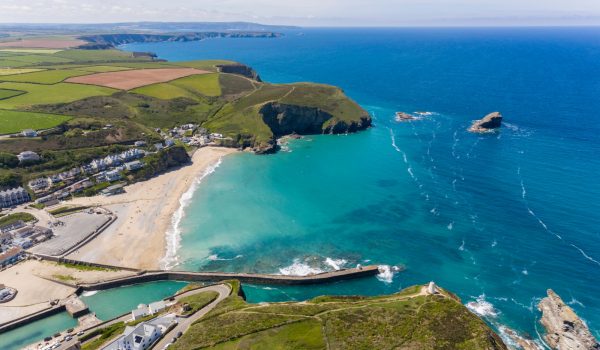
(487, 123)
(565, 330)
(286, 119)
(104, 41)
(239, 69)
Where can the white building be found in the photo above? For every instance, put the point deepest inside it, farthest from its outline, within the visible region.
(142, 336)
(39, 183)
(135, 165)
(141, 311)
(156, 306)
(27, 156)
(112, 175)
(13, 197)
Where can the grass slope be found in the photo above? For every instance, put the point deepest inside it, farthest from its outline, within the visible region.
(49, 94)
(406, 320)
(191, 87)
(44, 77)
(15, 121)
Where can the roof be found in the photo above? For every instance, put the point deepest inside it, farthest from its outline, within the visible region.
(14, 251)
(157, 305)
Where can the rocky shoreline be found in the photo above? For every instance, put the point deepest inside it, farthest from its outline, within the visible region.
(564, 329)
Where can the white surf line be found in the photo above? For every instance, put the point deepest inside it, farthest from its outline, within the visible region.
(524, 195)
(173, 235)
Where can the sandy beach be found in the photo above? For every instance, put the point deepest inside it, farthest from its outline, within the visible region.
(145, 211)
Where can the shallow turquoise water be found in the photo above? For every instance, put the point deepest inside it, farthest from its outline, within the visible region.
(36, 331)
(496, 218)
(117, 301)
(106, 304)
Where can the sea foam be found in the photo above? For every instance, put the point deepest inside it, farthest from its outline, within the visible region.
(173, 235)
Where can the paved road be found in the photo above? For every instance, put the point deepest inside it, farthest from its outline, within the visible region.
(185, 323)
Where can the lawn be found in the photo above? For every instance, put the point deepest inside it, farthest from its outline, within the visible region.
(44, 77)
(14, 121)
(50, 94)
(100, 69)
(205, 64)
(198, 301)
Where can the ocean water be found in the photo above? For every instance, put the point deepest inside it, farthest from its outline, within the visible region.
(495, 218)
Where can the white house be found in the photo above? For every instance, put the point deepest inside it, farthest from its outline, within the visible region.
(135, 165)
(139, 337)
(141, 311)
(112, 175)
(13, 196)
(156, 306)
(27, 156)
(39, 183)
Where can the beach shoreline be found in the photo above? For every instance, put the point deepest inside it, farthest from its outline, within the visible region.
(145, 233)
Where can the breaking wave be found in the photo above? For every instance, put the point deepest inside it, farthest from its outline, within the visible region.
(482, 307)
(173, 235)
(299, 268)
(386, 273)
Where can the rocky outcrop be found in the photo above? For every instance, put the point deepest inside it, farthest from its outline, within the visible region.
(488, 123)
(105, 41)
(239, 69)
(286, 119)
(402, 117)
(564, 329)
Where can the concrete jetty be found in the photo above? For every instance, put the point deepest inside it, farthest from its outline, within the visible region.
(151, 276)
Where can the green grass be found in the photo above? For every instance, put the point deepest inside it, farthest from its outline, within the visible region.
(84, 267)
(12, 218)
(105, 334)
(404, 320)
(204, 64)
(36, 59)
(198, 301)
(191, 87)
(15, 121)
(44, 77)
(303, 335)
(62, 211)
(34, 51)
(50, 94)
(95, 55)
(4, 93)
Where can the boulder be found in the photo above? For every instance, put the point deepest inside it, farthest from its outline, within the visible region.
(488, 123)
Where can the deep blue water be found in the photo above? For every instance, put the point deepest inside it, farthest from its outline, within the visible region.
(495, 218)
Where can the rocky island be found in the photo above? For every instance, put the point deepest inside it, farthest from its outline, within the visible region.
(564, 329)
(488, 123)
(402, 117)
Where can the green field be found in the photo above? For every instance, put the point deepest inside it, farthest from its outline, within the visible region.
(4, 93)
(44, 77)
(49, 94)
(13, 121)
(191, 86)
(406, 320)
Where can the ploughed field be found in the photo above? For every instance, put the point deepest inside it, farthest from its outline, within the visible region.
(131, 79)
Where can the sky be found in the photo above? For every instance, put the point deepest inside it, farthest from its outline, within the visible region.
(308, 12)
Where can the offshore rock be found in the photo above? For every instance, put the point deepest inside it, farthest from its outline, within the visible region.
(565, 330)
(488, 123)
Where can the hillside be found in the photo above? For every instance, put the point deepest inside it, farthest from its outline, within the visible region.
(410, 319)
(70, 95)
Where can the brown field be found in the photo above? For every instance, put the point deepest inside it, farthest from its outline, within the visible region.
(131, 79)
(43, 43)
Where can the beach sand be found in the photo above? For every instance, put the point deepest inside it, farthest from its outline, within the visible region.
(138, 237)
(33, 281)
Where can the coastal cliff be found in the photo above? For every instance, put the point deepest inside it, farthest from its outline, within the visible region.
(286, 119)
(488, 123)
(239, 69)
(565, 330)
(108, 41)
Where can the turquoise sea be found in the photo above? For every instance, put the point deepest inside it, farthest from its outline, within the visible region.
(495, 218)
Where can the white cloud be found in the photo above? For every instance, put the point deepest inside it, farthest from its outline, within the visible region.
(301, 12)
